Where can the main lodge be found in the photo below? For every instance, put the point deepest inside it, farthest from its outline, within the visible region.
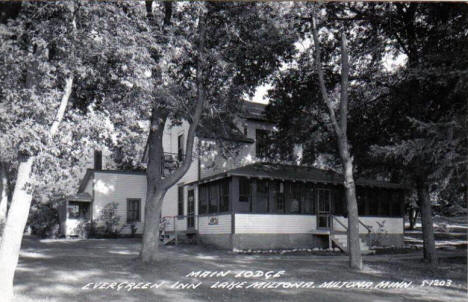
(242, 201)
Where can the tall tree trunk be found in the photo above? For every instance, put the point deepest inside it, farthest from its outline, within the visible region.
(354, 248)
(340, 126)
(150, 247)
(19, 208)
(424, 202)
(157, 183)
(3, 196)
(155, 192)
(14, 228)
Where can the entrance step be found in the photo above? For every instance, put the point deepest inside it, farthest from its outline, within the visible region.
(341, 240)
(167, 239)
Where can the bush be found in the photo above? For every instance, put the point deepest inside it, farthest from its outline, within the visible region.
(44, 221)
(107, 224)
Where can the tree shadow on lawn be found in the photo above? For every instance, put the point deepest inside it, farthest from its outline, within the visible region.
(54, 270)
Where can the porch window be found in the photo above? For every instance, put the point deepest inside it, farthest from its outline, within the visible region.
(262, 199)
(133, 210)
(244, 189)
(203, 199)
(395, 204)
(213, 199)
(224, 196)
(372, 199)
(308, 206)
(385, 197)
(277, 204)
(180, 201)
(293, 198)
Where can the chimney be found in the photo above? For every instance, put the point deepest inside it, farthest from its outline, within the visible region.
(97, 160)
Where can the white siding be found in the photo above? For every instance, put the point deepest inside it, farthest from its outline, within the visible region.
(118, 187)
(212, 161)
(169, 207)
(89, 187)
(181, 224)
(274, 224)
(223, 226)
(390, 225)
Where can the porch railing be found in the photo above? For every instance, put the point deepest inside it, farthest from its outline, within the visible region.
(332, 229)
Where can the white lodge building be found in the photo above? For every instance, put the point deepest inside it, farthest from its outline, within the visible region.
(243, 202)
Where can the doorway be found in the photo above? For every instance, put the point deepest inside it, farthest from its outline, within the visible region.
(191, 209)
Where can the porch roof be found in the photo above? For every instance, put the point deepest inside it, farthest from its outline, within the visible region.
(83, 196)
(297, 173)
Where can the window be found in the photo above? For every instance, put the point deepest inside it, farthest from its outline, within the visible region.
(213, 200)
(203, 199)
(279, 202)
(372, 199)
(292, 197)
(262, 198)
(361, 195)
(180, 147)
(244, 189)
(309, 201)
(78, 210)
(133, 210)
(261, 143)
(180, 201)
(224, 196)
(384, 196)
(396, 204)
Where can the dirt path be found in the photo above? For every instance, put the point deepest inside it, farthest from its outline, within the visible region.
(58, 270)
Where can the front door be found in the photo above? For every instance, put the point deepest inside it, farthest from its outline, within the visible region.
(191, 209)
(323, 208)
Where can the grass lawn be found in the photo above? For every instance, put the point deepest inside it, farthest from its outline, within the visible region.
(56, 270)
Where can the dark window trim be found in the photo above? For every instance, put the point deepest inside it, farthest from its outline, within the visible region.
(138, 219)
(180, 201)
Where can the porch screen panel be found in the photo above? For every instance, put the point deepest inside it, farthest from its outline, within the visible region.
(224, 196)
(396, 204)
(361, 200)
(277, 205)
(293, 198)
(244, 189)
(214, 198)
(373, 202)
(261, 200)
(203, 199)
(309, 200)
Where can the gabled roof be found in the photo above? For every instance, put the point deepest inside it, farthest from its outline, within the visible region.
(254, 111)
(90, 173)
(296, 173)
(83, 196)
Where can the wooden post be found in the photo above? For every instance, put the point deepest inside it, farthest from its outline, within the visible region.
(175, 229)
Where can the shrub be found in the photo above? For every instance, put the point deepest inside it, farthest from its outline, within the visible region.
(43, 220)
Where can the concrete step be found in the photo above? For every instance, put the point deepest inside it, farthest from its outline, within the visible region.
(341, 241)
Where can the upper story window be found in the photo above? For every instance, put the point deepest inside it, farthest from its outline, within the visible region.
(180, 147)
(261, 142)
